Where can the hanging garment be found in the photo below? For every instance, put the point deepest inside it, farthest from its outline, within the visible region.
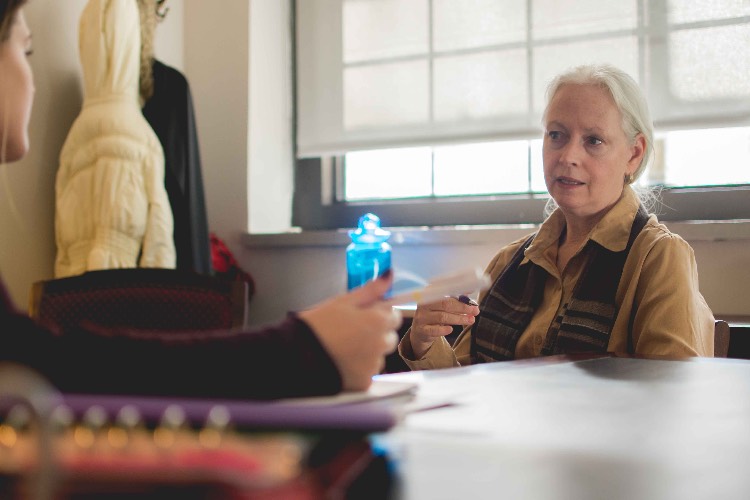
(169, 111)
(112, 209)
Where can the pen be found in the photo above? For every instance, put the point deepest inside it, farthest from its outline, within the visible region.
(458, 284)
(465, 299)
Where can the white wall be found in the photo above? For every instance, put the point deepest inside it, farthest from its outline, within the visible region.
(290, 278)
(217, 67)
(235, 57)
(270, 179)
(170, 35)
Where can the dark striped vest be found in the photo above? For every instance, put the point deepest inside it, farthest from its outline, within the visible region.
(583, 325)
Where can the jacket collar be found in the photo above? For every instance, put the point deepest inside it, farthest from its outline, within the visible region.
(611, 232)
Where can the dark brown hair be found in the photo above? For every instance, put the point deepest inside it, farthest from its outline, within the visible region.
(8, 10)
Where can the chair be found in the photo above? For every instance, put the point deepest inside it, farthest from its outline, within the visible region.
(739, 347)
(721, 339)
(140, 299)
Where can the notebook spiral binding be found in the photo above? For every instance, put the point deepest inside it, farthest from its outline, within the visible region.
(31, 397)
(61, 445)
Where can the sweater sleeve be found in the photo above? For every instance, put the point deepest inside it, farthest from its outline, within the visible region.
(284, 360)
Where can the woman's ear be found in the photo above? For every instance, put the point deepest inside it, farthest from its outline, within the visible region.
(637, 151)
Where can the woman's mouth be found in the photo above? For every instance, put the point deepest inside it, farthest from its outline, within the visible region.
(567, 181)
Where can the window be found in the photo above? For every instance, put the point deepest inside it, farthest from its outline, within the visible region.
(437, 123)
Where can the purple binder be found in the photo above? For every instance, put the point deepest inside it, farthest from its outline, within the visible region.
(370, 416)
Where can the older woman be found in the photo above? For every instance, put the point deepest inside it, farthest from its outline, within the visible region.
(600, 275)
(337, 345)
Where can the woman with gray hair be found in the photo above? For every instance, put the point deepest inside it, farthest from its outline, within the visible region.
(600, 274)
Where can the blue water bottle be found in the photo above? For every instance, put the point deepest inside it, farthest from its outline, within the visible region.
(368, 255)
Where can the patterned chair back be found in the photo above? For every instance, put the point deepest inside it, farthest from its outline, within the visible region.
(140, 299)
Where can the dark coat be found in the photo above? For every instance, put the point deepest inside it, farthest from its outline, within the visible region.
(169, 111)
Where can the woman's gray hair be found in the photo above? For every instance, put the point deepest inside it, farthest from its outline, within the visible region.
(626, 94)
(630, 101)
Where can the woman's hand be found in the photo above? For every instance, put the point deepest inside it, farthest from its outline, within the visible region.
(358, 330)
(436, 319)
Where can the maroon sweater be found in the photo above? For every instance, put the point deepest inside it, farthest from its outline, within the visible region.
(285, 360)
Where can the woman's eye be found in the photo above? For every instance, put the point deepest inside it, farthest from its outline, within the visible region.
(554, 135)
(593, 141)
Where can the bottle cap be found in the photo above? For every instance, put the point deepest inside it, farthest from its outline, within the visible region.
(369, 230)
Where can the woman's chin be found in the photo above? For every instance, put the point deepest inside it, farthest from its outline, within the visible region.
(574, 206)
(568, 200)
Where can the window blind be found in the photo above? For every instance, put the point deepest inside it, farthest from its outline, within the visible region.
(375, 74)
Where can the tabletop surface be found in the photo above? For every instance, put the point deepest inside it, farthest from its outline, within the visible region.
(608, 427)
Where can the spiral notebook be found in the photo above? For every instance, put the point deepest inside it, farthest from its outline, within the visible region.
(86, 445)
(367, 411)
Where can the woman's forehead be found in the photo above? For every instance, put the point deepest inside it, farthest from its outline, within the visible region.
(591, 105)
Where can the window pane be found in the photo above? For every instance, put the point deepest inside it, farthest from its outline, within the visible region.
(537, 167)
(481, 85)
(389, 173)
(553, 18)
(386, 94)
(685, 11)
(477, 23)
(551, 60)
(496, 167)
(704, 158)
(365, 22)
(710, 63)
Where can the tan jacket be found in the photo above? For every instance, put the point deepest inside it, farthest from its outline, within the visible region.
(658, 296)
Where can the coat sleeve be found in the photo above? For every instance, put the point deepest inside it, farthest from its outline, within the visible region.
(158, 240)
(671, 316)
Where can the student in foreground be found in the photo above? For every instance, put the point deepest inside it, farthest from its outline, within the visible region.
(600, 274)
(337, 345)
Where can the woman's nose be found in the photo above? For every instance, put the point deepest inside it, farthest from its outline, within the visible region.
(570, 153)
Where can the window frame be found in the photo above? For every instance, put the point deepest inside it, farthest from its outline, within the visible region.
(318, 182)
(315, 206)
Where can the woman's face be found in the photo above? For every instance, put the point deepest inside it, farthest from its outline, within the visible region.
(586, 152)
(16, 91)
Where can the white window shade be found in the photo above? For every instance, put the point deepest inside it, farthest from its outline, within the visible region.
(375, 74)
(475, 24)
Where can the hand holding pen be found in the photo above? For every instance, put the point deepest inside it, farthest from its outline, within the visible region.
(435, 316)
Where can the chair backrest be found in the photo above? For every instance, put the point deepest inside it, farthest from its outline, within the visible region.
(739, 347)
(721, 338)
(141, 299)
